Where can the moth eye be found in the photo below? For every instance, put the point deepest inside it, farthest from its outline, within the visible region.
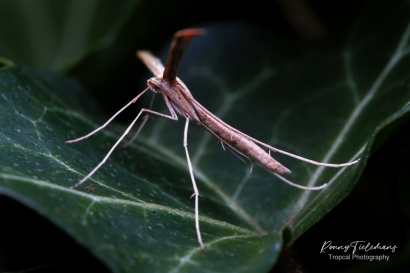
(152, 85)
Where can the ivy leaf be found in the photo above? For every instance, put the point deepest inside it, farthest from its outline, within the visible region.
(333, 106)
(57, 34)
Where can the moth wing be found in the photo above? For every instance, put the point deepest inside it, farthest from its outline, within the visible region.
(153, 63)
(181, 40)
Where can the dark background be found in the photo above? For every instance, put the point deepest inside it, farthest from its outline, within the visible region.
(372, 212)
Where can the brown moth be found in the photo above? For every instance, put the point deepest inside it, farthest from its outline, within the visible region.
(180, 101)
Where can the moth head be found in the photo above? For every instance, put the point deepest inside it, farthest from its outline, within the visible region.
(154, 84)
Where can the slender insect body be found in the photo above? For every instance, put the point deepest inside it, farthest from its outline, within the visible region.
(177, 94)
(179, 100)
(241, 144)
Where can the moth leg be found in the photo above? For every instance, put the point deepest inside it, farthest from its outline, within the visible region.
(144, 120)
(196, 192)
(105, 124)
(173, 116)
(300, 186)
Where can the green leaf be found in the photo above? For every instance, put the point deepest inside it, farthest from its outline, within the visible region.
(142, 217)
(325, 105)
(57, 34)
